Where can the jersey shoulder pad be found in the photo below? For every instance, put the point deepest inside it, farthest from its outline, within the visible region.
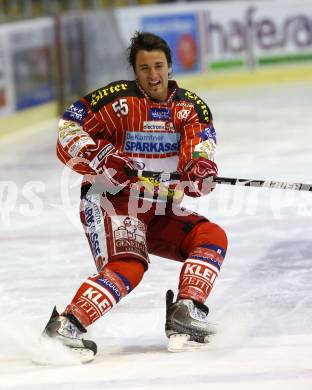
(202, 109)
(110, 92)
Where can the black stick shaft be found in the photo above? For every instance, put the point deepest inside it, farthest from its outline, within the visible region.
(282, 185)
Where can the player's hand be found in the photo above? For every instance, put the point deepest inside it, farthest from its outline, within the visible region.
(109, 163)
(197, 177)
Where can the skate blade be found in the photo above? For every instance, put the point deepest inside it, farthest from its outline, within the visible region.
(182, 343)
(52, 352)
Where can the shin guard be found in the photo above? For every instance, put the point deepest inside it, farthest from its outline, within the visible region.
(199, 272)
(97, 295)
(205, 246)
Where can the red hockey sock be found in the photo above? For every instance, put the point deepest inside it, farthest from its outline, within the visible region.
(132, 270)
(206, 246)
(99, 293)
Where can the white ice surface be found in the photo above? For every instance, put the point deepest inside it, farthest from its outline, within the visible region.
(262, 300)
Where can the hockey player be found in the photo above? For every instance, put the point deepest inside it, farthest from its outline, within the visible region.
(149, 123)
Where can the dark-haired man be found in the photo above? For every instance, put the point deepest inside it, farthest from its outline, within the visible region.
(149, 123)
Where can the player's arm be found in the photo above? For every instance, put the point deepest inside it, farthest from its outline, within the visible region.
(75, 136)
(83, 143)
(197, 149)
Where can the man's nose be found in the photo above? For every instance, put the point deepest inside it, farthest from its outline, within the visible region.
(153, 72)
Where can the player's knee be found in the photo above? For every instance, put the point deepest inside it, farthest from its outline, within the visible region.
(131, 271)
(205, 233)
(214, 233)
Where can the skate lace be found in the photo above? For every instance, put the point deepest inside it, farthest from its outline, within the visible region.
(195, 312)
(68, 329)
(198, 314)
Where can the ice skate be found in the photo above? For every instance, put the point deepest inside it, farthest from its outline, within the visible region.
(186, 324)
(65, 333)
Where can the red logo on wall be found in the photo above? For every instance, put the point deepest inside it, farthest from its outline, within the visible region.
(2, 98)
(187, 51)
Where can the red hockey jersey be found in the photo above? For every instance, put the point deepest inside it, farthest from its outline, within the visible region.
(159, 136)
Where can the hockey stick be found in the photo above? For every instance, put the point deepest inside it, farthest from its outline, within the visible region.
(282, 185)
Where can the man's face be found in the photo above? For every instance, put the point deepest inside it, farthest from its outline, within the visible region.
(151, 69)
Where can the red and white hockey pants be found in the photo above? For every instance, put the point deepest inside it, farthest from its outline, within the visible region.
(120, 241)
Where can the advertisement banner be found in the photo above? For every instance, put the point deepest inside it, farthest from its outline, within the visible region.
(181, 31)
(227, 40)
(257, 34)
(5, 79)
(31, 50)
(280, 32)
(3, 93)
(244, 34)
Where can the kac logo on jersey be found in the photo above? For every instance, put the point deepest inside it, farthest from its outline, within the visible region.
(183, 114)
(208, 133)
(77, 112)
(160, 114)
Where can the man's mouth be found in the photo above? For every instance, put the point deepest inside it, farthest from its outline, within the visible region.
(154, 83)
